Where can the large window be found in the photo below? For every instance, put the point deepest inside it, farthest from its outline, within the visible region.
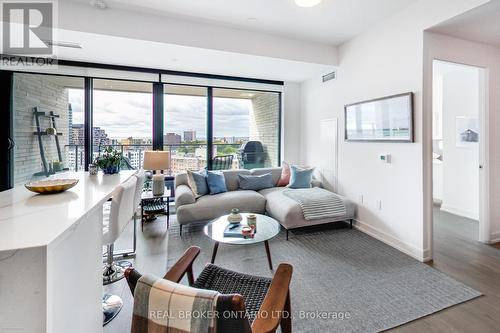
(204, 126)
(246, 127)
(122, 118)
(47, 115)
(185, 127)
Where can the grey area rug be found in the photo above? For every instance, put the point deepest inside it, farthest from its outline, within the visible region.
(343, 279)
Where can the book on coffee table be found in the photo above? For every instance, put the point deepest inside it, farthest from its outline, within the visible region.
(233, 230)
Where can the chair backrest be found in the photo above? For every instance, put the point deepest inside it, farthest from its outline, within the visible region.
(223, 162)
(140, 175)
(121, 206)
(230, 307)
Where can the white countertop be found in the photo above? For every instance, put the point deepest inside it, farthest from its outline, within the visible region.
(31, 220)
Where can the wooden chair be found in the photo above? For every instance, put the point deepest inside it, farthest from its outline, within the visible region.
(265, 301)
(223, 162)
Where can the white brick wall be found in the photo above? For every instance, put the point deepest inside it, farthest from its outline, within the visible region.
(32, 90)
(264, 124)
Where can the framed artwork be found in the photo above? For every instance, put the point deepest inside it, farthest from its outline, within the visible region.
(386, 119)
(466, 131)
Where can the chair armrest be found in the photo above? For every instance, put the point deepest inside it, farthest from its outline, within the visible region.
(276, 302)
(183, 265)
(184, 196)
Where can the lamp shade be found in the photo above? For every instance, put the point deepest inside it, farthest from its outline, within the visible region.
(156, 160)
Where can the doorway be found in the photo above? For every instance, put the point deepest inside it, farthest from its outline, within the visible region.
(458, 113)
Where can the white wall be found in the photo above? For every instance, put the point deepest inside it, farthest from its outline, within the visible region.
(451, 49)
(290, 123)
(461, 93)
(383, 61)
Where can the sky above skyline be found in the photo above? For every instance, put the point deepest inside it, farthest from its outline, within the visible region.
(125, 114)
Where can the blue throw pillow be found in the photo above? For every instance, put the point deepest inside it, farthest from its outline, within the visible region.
(300, 178)
(216, 182)
(198, 182)
(256, 182)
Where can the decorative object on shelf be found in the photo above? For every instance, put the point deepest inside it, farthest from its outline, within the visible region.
(157, 161)
(92, 169)
(235, 216)
(51, 131)
(109, 161)
(51, 186)
(386, 119)
(57, 166)
(252, 221)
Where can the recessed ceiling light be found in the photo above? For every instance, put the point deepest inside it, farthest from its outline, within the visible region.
(252, 19)
(100, 4)
(307, 3)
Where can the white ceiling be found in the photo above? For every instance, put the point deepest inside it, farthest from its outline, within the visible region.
(132, 52)
(481, 24)
(332, 21)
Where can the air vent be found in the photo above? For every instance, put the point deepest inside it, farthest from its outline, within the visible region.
(329, 76)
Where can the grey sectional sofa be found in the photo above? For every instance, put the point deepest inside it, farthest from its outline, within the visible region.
(270, 201)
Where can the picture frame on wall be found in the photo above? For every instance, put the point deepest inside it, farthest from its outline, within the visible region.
(466, 131)
(386, 119)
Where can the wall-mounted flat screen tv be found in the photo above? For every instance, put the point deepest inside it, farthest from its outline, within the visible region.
(386, 119)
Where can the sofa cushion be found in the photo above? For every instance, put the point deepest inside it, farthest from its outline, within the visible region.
(232, 179)
(285, 175)
(300, 178)
(209, 207)
(276, 172)
(216, 182)
(198, 182)
(248, 182)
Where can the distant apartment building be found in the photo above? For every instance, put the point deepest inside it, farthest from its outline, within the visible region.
(135, 157)
(183, 163)
(172, 139)
(77, 135)
(189, 136)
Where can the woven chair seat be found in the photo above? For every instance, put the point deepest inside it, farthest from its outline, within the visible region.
(252, 288)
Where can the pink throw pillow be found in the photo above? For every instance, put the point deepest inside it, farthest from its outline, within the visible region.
(285, 175)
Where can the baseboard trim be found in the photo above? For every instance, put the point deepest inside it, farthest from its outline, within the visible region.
(494, 238)
(412, 251)
(459, 211)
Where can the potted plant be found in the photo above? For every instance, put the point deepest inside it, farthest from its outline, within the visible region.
(109, 161)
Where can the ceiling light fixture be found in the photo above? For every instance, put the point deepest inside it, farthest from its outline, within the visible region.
(307, 3)
(99, 4)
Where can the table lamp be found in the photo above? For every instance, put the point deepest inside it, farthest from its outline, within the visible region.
(157, 161)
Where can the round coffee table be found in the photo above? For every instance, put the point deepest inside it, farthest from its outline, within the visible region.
(267, 228)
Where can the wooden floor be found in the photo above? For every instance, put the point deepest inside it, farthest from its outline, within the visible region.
(458, 254)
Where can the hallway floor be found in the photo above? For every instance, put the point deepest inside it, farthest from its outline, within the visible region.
(458, 254)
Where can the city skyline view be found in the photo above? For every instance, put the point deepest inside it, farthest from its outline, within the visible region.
(129, 114)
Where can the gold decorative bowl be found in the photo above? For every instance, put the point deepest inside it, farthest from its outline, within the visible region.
(51, 186)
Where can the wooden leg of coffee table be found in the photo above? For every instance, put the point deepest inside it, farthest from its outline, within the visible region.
(268, 252)
(214, 252)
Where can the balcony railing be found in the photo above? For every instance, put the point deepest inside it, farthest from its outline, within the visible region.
(184, 156)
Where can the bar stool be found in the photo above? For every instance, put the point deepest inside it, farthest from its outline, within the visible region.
(113, 224)
(141, 176)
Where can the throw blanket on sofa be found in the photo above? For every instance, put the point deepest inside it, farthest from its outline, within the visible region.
(162, 306)
(317, 203)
